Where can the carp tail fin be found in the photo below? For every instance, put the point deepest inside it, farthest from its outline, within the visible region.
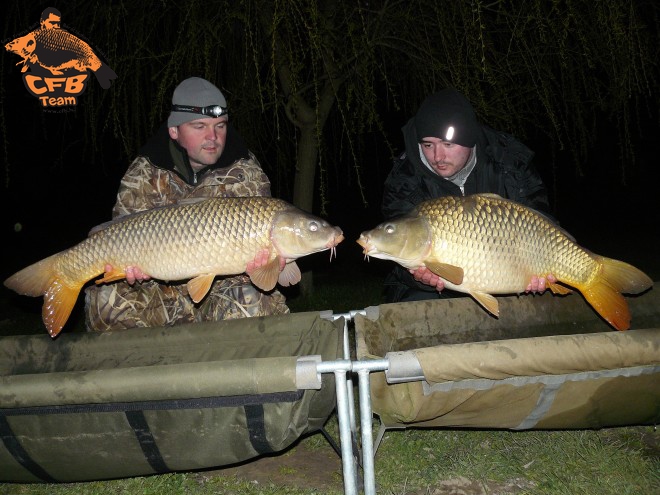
(59, 301)
(605, 293)
(35, 279)
(42, 279)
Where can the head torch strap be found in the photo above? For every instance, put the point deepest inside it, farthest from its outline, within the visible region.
(211, 110)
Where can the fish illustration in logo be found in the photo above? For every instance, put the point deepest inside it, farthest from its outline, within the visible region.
(56, 50)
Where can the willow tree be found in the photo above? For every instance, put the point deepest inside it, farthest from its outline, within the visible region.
(307, 79)
(542, 70)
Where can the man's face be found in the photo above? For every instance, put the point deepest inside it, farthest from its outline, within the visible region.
(203, 139)
(445, 158)
(52, 22)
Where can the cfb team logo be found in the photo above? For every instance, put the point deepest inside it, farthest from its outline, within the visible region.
(56, 63)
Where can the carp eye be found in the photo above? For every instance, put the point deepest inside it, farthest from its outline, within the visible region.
(389, 229)
(313, 226)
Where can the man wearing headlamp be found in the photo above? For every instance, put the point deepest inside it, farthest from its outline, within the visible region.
(449, 153)
(195, 154)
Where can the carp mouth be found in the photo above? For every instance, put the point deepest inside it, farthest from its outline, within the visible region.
(370, 249)
(332, 244)
(367, 247)
(335, 240)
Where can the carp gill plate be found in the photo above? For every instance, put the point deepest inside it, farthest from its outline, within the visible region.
(484, 244)
(196, 240)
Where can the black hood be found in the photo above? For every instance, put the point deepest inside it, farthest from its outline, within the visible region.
(164, 152)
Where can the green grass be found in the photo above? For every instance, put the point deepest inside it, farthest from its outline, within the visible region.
(586, 462)
(167, 484)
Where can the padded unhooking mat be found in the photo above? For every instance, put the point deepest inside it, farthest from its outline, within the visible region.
(144, 401)
(547, 362)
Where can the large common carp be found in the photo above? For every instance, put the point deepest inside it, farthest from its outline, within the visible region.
(484, 244)
(196, 240)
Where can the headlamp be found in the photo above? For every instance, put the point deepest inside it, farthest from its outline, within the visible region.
(211, 110)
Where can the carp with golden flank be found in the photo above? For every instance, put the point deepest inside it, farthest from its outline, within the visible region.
(484, 244)
(195, 240)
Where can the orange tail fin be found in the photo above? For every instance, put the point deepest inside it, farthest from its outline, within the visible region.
(35, 279)
(59, 301)
(41, 278)
(616, 277)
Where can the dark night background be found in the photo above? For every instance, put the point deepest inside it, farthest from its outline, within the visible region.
(57, 184)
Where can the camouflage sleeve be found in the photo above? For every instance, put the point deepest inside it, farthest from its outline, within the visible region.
(254, 181)
(144, 187)
(119, 306)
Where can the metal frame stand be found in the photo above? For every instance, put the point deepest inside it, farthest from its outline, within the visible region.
(343, 370)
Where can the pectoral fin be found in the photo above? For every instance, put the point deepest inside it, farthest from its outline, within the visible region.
(487, 301)
(290, 275)
(112, 276)
(449, 272)
(199, 286)
(265, 277)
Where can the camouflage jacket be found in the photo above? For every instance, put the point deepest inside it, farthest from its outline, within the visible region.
(161, 175)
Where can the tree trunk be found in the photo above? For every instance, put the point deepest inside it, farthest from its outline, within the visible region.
(310, 120)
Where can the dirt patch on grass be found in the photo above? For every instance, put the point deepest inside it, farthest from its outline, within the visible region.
(651, 443)
(320, 468)
(464, 486)
(300, 467)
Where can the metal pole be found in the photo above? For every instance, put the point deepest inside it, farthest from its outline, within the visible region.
(367, 437)
(348, 464)
(349, 381)
(363, 369)
(346, 411)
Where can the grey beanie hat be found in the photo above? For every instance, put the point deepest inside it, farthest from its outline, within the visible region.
(449, 116)
(196, 92)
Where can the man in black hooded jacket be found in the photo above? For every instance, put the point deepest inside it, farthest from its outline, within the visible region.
(449, 153)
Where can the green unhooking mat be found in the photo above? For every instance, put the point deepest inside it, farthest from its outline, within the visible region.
(154, 400)
(547, 362)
